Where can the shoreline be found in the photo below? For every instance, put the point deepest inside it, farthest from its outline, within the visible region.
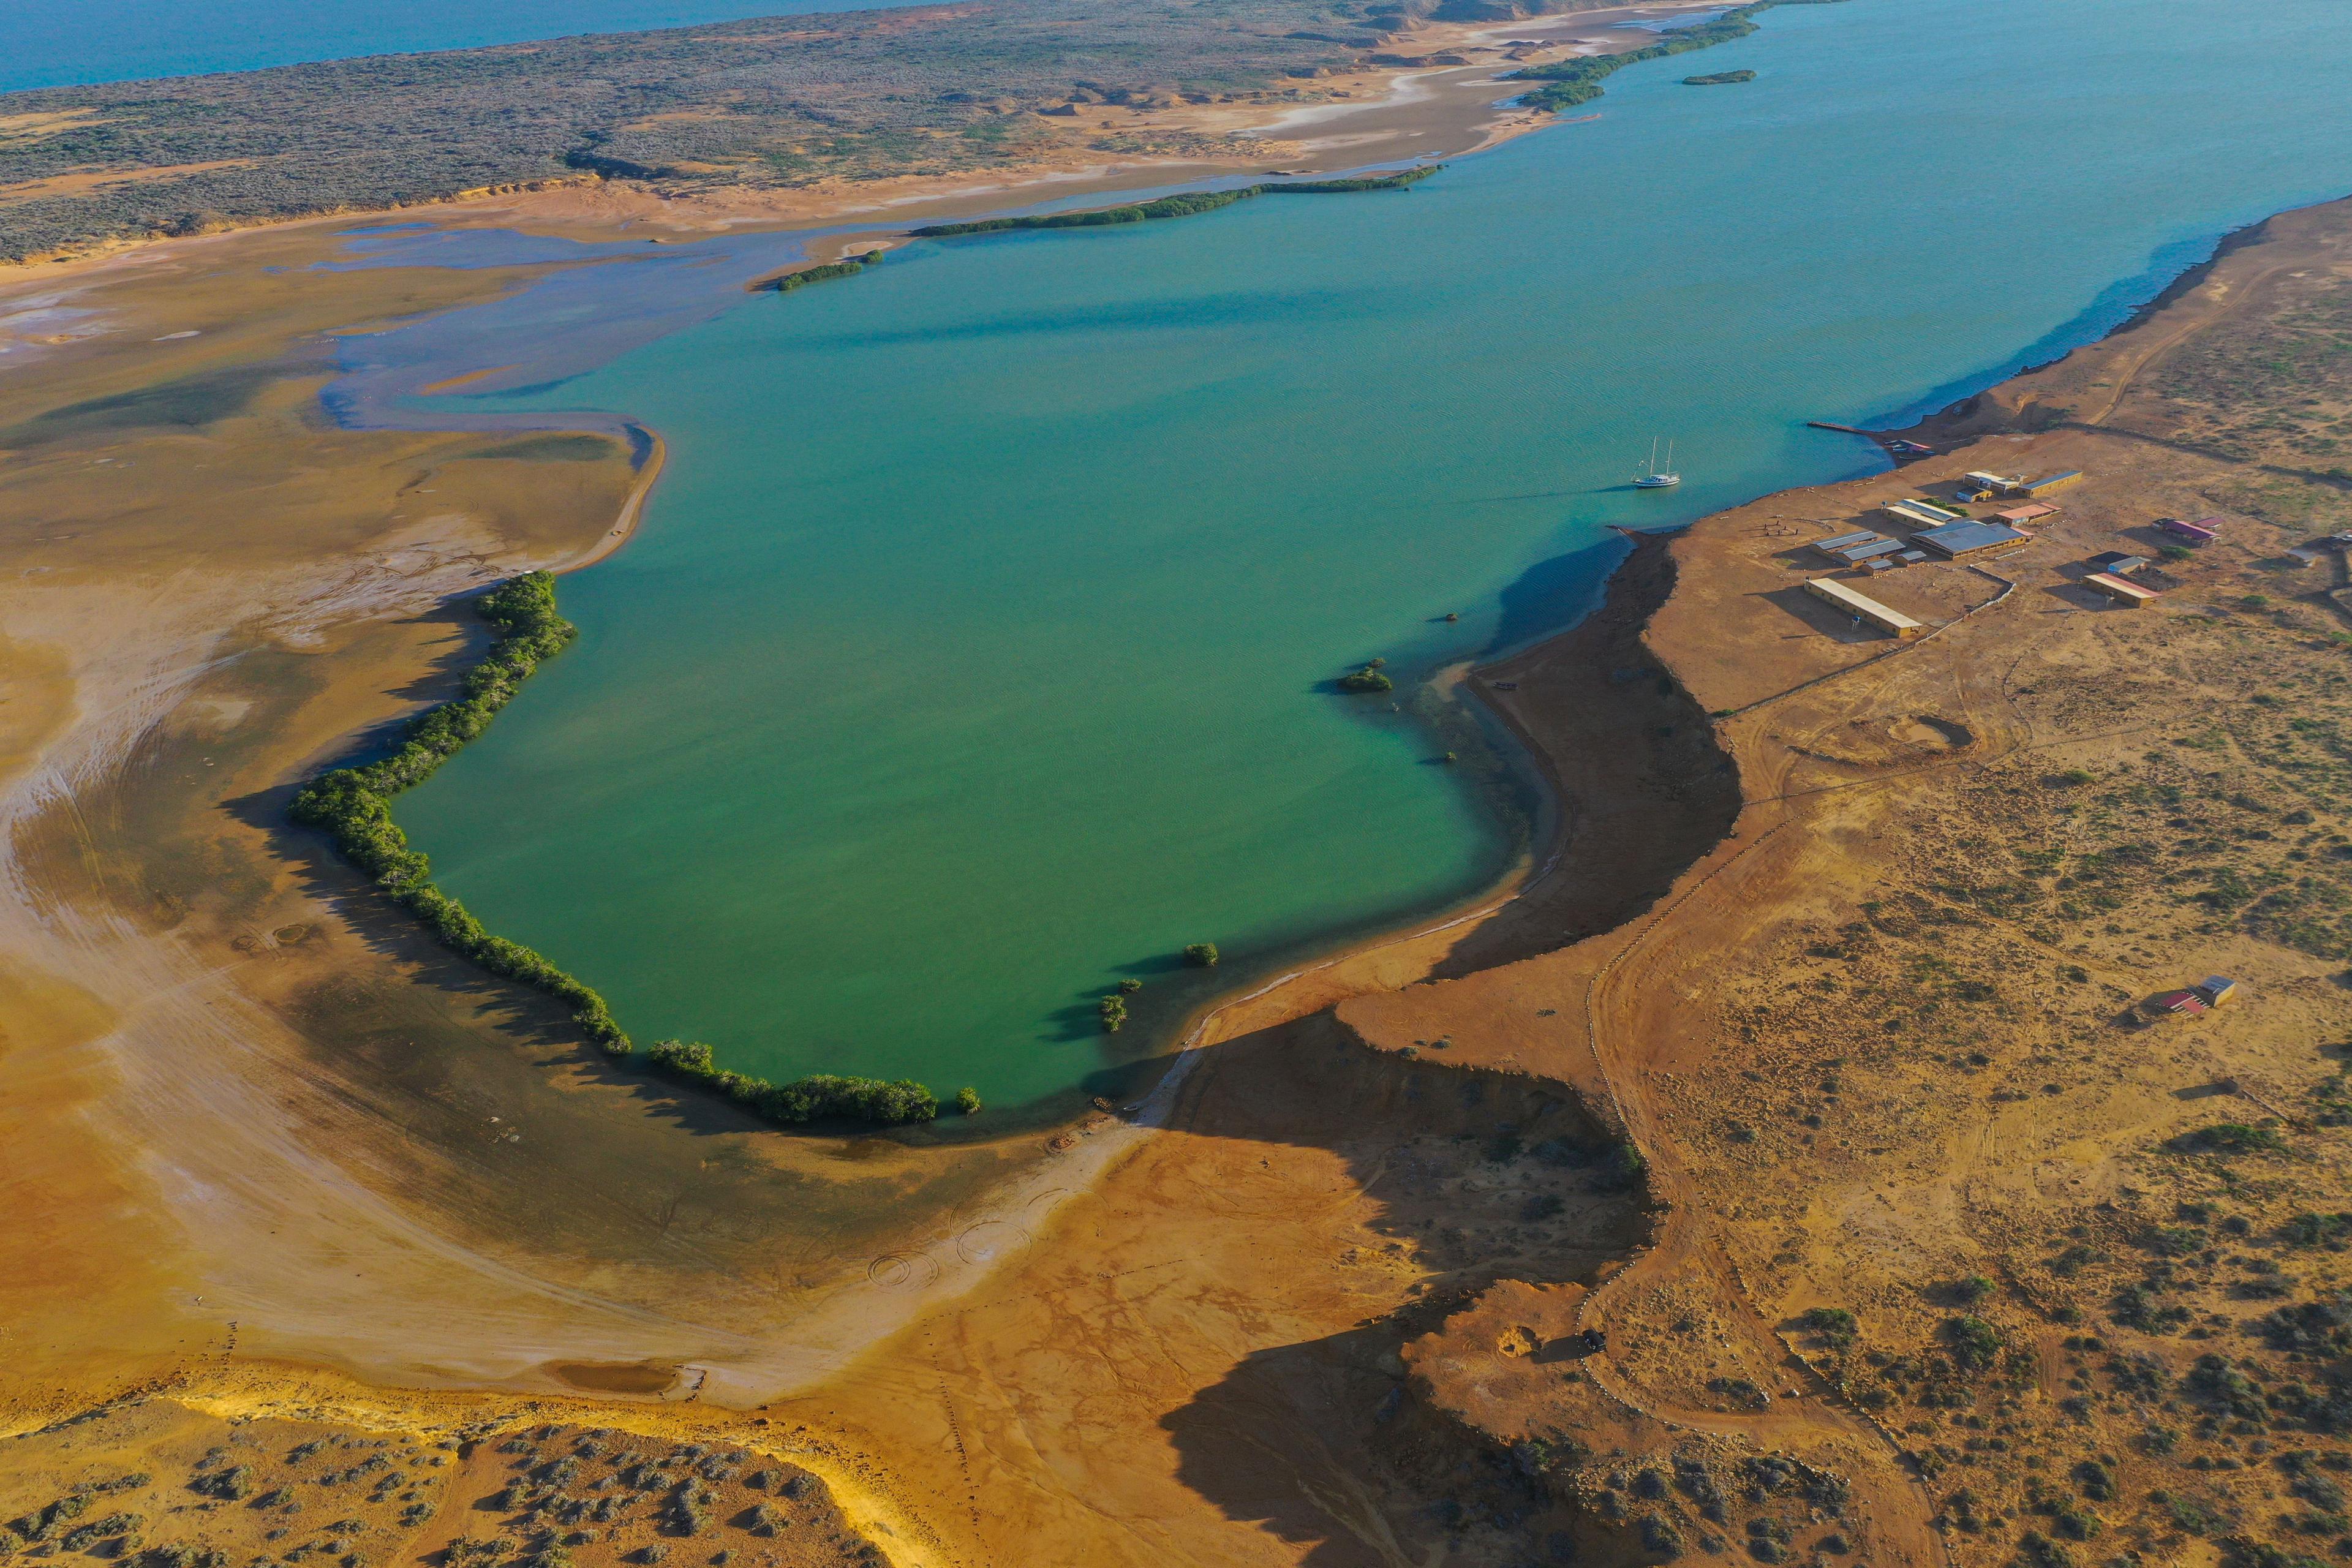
(1550, 835)
(1402, 104)
(632, 515)
(1550, 826)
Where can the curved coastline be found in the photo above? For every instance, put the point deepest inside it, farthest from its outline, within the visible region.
(1519, 885)
(1548, 828)
(1545, 835)
(1541, 832)
(633, 511)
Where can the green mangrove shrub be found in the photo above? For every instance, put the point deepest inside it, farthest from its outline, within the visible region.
(1185, 203)
(353, 807)
(821, 1095)
(1567, 83)
(848, 267)
(1201, 955)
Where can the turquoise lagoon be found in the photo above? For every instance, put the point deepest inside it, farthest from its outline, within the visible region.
(974, 652)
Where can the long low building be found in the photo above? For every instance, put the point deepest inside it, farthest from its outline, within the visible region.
(1959, 540)
(1862, 607)
(2130, 595)
(2044, 486)
(1921, 514)
(2204, 532)
(1854, 552)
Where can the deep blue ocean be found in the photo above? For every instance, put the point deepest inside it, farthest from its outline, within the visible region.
(53, 43)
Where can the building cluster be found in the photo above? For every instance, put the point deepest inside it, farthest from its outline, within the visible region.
(1916, 528)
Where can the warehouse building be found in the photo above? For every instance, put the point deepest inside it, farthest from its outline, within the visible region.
(1966, 540)
(1862, 607)
(1920, 514)
(1854, 549)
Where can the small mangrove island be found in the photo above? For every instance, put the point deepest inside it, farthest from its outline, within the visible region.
(1571, 82)
(1721, 79)
(1183, 204)
(848, 267)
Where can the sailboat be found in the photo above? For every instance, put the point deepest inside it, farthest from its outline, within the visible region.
(1655, 478)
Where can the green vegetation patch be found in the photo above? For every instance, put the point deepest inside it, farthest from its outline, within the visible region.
(554, 446)
(821, 1095)
(1567, 83)
(2234, 1137)
(1182, 204)
(354, 806)
(1721, 79)
(849, 267)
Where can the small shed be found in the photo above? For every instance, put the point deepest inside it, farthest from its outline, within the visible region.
(2216, 989)
(2119, 561)
(2195, 533)
(2030, 513)
(2122, 590)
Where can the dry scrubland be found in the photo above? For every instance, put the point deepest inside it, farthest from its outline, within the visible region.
(773, 103)
(2020, 1272)
(166, 1484)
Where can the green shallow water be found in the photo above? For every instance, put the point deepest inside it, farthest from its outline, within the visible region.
(969, 659)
